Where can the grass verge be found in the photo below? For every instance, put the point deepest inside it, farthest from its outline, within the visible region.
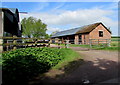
(114, 46)
(109, 48)
(69, 56)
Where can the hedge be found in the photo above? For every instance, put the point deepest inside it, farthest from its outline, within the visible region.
(26, 63)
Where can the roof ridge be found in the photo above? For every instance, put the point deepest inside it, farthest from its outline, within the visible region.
(82, 29)
(81, 26)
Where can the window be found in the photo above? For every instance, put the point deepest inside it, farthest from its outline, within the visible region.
(100, 33)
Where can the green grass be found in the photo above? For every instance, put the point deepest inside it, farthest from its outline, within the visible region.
(69, 56)
(109, 48)
(114, 46)
(76, 45)
(115, 39)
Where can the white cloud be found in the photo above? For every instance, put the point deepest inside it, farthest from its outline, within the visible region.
(51, 29)
(76, 18)
(39, 7)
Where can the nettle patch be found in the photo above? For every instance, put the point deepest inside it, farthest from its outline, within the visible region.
(24, 64)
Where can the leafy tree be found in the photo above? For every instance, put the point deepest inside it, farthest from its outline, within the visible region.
(47, 36)
(53, 33)
(33, 27)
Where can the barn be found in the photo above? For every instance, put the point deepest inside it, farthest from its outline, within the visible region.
(83, 35)
(9, 24)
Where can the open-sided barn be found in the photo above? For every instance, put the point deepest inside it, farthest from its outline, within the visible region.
(82, 35)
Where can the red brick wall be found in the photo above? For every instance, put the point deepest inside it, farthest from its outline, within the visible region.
(76, 40)
(95, 33)
(85, 38)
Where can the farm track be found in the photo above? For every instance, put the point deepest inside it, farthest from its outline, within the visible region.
(98, 66)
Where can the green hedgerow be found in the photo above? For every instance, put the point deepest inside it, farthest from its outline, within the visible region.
(23, 64)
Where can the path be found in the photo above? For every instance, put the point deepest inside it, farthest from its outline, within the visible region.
(98, 66)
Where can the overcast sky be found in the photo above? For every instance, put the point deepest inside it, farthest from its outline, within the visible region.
(66, 15)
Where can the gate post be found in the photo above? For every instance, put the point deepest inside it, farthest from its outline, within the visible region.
(90, 43)
(109, 42)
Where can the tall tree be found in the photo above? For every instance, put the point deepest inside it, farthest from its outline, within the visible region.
(33, 27)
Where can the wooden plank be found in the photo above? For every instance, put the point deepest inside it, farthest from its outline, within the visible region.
(8, 44)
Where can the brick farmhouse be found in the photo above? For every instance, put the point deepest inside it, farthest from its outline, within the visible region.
(82, 35)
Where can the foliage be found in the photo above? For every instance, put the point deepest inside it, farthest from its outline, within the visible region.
(33, 27)
(24, 64)
(54, 33)
(47, 36)
(115, 44)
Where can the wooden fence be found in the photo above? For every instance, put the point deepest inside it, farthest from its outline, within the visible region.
(8, 43)
(100, 42)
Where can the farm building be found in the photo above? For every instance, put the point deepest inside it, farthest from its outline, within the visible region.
(83, 35)
(9, 23)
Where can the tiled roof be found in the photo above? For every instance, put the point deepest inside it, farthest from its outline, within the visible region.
(83, 29)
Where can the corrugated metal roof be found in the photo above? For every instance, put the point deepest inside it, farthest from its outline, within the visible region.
(83, 29)
(66, 32)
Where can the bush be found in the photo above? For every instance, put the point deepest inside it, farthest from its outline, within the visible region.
(24, 64)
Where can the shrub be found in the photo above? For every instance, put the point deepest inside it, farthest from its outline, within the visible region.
(23, 64)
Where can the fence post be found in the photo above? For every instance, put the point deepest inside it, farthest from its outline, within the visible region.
(7, 47)
(58, 43)
(90, 43)
(98, 42)
(106, 43)
(49, 43)
(109, 42)
(1, 47)
(65, 44)
(14, 42)
(35, 42)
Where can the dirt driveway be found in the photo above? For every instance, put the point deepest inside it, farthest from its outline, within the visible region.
(98, 66)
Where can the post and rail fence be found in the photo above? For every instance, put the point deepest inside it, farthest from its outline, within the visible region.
(100, 42)
(8, 43)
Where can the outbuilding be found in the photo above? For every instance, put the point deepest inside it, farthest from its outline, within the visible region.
(9, 24)
(83, 35)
